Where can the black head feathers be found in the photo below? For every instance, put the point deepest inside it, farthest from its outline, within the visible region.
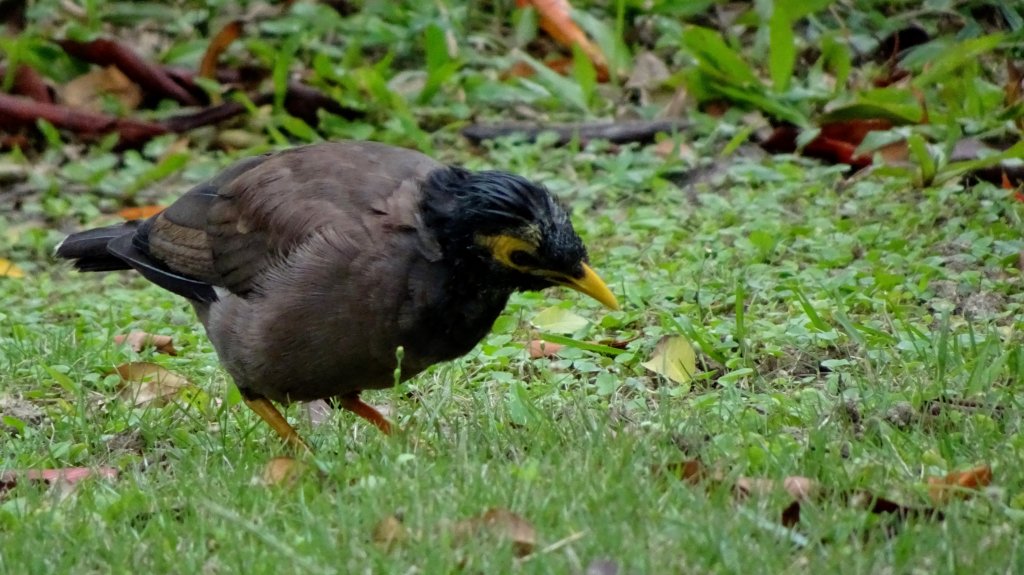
(491, 202)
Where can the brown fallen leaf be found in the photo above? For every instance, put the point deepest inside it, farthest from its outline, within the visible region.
(389, 532)
(87, 92)
(220, 42)
(671, 149)
(9, 270)
(691, 471)
(501, 524)
(139, 212)
(284, 471)
(539, 348)
(140, 340)
(958, 483)
(66, 476)
(556, 20)
(148, 384)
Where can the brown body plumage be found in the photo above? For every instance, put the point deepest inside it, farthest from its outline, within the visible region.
(310, 267)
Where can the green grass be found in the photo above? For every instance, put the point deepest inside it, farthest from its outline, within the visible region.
(864, 332)
(856, 297)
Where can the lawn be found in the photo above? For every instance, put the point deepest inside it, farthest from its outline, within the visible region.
(859, 332)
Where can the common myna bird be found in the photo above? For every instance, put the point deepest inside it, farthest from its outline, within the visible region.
(310, 267)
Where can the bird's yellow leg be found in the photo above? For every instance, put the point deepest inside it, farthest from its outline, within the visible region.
(273, 417)
(366, 411)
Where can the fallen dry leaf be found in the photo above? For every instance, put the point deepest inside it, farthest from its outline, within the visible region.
(140, 212)
(87, 91)
(220, 42)
(958, 483)
(556, 20)
(804, 489)
(389, 532)
(147, 383)
(671, 149)
(539, 348)
(501, 524)
(673, 358)
(284, 471)
(66, 476)
(140, 340)
(9, 270)
(691, 471)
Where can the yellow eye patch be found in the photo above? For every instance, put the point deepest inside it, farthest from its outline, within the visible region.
(502, 247)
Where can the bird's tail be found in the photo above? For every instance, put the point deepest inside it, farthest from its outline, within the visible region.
(88, 249)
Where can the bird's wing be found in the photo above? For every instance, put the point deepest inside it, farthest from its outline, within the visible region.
(232, 231)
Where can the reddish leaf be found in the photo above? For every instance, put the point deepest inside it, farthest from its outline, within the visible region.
(67, 475)
(139, 212)
(220, 42)
(691, 471)
(539, 348)
(942, 489)
(140, 340)
(556, 20)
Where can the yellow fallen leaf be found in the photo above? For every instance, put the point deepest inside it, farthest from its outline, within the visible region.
(674, 358)
(558, 320)
(9, 270)
(147, 383)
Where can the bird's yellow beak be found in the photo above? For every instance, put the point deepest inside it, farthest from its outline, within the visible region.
(592, 285)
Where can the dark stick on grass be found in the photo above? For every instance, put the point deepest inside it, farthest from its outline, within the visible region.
(153, 79)
(615, 132)
(27, 82)
(16, 112)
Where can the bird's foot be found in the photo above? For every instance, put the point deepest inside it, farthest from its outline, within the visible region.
(366, 411)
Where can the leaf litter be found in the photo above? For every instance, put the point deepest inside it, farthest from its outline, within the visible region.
(147, 384)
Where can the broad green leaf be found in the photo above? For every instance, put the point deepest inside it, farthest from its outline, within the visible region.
(768, 104)
(798, 9)
(440, 65)
(922, 157)
(955, 169)
(558, 86)
(837, 59)
(584, 72)
(559, 320)
(612, 46)
(782, 47)
(584, 345)
(716, 58)
(168, 165)
(894, 104)
(674, 358)
(956, 56)
(282, 65)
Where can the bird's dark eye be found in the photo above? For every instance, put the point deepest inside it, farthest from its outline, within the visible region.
(522, 259)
